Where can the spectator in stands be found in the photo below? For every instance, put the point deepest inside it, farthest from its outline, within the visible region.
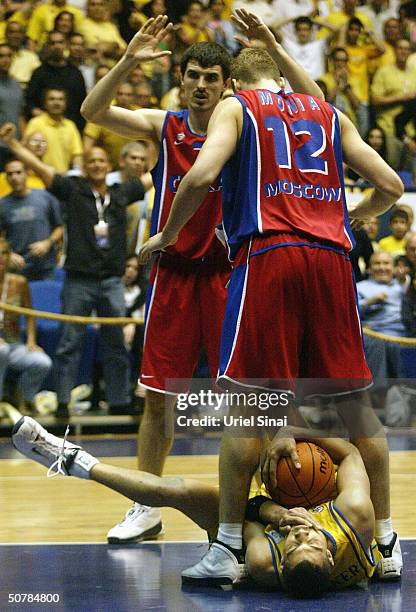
(170, 101)
(286, 12)
(380, 300)
(56, 72)
(359, 56)
(361, 254)
(36, 143)
(399, 226)
(30, 219)
(144, 97)
(349, 10)
(409, 310)
(64, 23)
(134, 163)
(392, 87)
(222, 28)
(193, 27)
(11, 93)
(100, 71)
(112, 143)
(340, 93)
(24, 62)
(64, 142)
(391, 34)
(42, 20)
(410, 251)
(305, 49)
(379, 12)
(100, 33)
(372, 228)
(28, 363)
(135, 286)
(77, 54)
(95, 221)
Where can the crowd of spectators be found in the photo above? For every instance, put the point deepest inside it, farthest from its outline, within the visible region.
(362, 54)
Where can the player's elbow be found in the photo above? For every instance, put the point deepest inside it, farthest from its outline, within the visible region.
(88, 111)
(393, 187)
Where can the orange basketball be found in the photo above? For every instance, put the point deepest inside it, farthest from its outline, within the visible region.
(310, 486)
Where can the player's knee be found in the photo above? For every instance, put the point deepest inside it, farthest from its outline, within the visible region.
(157, 404)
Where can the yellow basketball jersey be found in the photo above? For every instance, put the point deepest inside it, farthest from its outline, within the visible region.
(352, 563)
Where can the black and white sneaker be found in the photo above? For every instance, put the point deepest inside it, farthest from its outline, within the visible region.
(57, 454)
(391, 563)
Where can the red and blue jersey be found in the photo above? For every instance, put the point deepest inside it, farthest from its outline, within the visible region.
(286, 175)
(178, 152)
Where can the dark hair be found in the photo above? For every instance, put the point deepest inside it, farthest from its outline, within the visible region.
(11, 159)
(302, 19)
(355, 21)
(48, 89)
(307, 579)
(59, 15)
(251, 65)
(398, 213)
(75, 34)
(383, 150)
(336, 50)
(207, 54)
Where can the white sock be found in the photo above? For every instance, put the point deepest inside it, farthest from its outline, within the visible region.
(231, 534)
(384, 531)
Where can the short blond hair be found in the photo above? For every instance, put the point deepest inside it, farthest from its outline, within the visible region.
(252, 65)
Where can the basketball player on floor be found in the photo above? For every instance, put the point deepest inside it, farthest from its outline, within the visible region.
(186, 304)
(305, 552)
(291, 309)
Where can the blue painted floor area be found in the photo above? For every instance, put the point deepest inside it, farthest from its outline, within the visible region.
(102, 578)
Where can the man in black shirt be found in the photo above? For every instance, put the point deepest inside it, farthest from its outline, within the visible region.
(56, 72)
(95, 220)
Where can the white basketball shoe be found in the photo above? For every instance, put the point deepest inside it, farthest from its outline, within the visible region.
(140, 523)
(57, 454)
(391, 563)
(219, 566)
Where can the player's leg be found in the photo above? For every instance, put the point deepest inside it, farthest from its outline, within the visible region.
(342, 362)
(367, 434)
(171, 349)
(198, 501)
(255, 345)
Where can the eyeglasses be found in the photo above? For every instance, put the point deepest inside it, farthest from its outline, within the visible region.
(35, 141)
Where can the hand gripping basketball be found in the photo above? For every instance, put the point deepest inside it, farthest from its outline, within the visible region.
(282, 445)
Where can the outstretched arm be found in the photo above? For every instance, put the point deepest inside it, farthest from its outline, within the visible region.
(253, 27)
(143, 123)
(359, 156)
(222, 138)
(45, 172)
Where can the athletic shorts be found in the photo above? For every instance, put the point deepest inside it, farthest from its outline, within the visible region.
(184, 314)
(292, 314)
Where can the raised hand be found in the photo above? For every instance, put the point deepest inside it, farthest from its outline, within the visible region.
(252, 27)
(143, 47)
(7, 132)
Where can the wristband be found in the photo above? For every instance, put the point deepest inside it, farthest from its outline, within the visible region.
(253, 508)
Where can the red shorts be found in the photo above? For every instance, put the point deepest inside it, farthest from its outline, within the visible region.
(292, 314)
(185, 310)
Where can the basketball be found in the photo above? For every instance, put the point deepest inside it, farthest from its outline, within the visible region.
(310, 486)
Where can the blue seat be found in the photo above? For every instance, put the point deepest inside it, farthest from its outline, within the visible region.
(46, 296)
